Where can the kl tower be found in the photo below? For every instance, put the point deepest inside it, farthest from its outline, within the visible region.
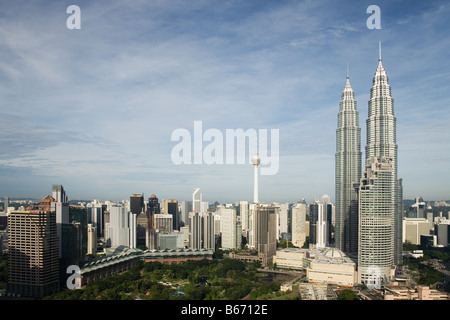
(255, 161)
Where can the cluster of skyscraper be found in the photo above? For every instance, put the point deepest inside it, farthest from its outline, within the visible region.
(46, 239)
(369, 203)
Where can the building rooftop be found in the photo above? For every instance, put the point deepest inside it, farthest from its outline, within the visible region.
(329, 256)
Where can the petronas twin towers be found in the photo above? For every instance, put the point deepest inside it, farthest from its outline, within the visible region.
(369, 203)
(348, 171)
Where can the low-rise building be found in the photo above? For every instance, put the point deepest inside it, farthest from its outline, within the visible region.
(290, 258)
(408, 293)
(331, 266)
(323, 265)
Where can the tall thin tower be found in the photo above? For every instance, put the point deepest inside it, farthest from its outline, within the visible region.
(382, 142)
(348, 171)
(255, 161)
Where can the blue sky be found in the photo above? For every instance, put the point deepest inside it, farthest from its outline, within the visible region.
(94, 109)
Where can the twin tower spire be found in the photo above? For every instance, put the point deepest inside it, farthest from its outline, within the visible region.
(381, 142)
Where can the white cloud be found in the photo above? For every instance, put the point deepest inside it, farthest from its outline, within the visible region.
(102, 102)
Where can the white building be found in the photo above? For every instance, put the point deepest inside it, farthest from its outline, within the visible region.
(283, 221)
(443, 233)
(376, 223)
(413, 228)
(231, 228)
(121, 228)
(331, 266)
(197, 200)
(323, 265)
(244, 213)
(320, 225)
(95, 215)
(299, 223)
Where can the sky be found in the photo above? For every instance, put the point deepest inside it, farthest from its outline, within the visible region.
(94, 109)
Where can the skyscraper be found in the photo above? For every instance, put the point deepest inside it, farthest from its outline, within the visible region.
(319, 224)
(244, 213)
(348, 171)
(299, 223)
(265, 232)
(382, 142)
(95, 211)
(186, 207)
(376, 223)
(201, 230)
(137, 203)
(153, 208)
(195, 230)
(75, 236)
(121, 228)
(61, 208)
(231, 228)
(196, 200)
(33, 253)
(171, 207)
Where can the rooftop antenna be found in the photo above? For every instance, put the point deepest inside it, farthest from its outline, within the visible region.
(379, 48)
(347, 70)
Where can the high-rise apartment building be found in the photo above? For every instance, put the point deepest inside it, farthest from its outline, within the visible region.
(299, 223)
(33, 253)
(348, 171)
(376, 222)
(382, 142)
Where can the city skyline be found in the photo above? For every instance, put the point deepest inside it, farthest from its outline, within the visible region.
(93, 109)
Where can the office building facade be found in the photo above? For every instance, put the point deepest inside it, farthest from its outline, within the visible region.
(33, 254)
